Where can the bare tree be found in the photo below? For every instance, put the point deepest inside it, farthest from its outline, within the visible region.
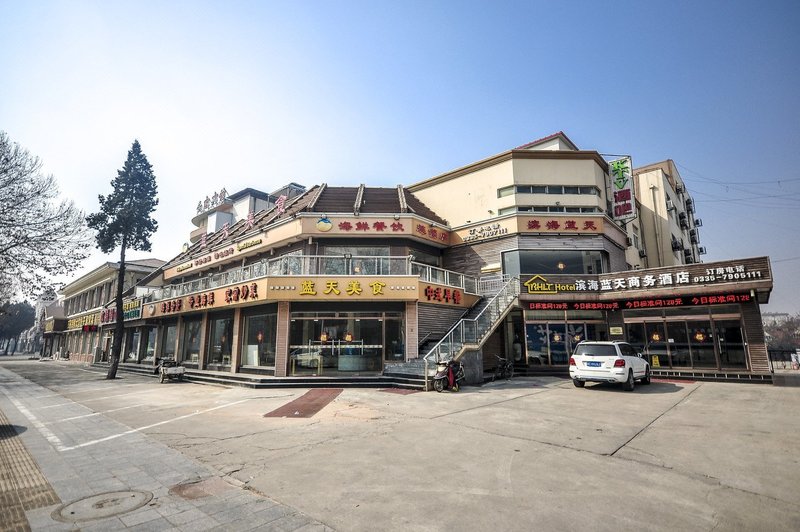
(40, 237)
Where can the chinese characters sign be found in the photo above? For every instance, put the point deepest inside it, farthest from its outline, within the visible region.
(132, 310)
(376, 226)
(698, 275)
(622, 189)
(719, 299)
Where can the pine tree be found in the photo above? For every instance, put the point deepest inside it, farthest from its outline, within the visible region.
(124, 220)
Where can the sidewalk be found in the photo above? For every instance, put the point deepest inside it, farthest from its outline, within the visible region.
(87, 472)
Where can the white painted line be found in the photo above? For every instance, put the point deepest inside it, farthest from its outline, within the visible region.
(115, 436)
(85, 400)
(52, 438)
(92, 414)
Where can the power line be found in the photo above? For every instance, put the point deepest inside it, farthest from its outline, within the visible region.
(730, 183)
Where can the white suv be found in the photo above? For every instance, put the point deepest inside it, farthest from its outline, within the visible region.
(608, 362)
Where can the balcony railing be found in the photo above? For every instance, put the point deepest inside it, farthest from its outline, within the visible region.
(296, 265)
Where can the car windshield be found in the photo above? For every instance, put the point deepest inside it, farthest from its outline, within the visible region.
(596, 350)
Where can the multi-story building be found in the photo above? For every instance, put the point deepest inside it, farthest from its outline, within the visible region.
(666, 231)
(522, 254)
(220, 210)
(84, 301)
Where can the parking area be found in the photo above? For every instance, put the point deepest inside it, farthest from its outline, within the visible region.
(530, 453)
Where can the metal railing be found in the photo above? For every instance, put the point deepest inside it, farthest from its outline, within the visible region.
(294, 265)
(472, 331)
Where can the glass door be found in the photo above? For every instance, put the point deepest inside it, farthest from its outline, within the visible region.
(701, 343)
(732, 352)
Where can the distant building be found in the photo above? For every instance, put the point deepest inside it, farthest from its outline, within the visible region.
(770, 319)
(665, 232)
(221, 210)
(84, 301)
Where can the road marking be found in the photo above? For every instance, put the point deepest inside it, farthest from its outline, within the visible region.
(127, 432)
(52, 438)
(67, 388)
(85, 400)
(93, 414)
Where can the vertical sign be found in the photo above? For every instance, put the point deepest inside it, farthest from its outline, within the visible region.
(622, 188)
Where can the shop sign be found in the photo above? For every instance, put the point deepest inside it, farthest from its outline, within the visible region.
(377, 226)
(696, 275)
(561, 225)
(719, 299)
(343, 288)
(241, 293)
(217, 199)
(539, 285)
(49, 326)
(485, 231)
(172, 306)
(575, 305)
(622, 186)
(132, 310)
(245, 247)
(443, 295)
(89, 319)
(201, 300)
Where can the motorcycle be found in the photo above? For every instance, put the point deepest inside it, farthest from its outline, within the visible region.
(450, 376)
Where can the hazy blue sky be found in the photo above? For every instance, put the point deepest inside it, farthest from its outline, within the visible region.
(258, 94)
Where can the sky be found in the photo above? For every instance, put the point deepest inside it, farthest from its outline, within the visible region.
(239, 94)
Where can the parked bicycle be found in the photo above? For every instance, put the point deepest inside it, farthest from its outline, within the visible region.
(504, 368)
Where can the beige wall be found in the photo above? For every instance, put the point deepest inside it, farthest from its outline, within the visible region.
(469, 198)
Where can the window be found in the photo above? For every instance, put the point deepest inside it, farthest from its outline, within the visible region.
(259, 340)
(526, 262)
(219, 343)
(506, 210)
(191, 340)
(505, 191)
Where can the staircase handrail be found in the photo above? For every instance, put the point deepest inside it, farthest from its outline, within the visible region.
(456, 337)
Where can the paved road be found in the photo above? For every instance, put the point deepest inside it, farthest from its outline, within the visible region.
(529, 454)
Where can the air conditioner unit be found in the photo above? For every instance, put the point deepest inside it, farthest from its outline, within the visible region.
(628, 241)
(679, 189)
(701, 250)
(670, 205)
(642, 253)
(698, 222)
(676, 246)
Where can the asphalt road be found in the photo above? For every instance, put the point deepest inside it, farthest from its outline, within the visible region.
(527, 454)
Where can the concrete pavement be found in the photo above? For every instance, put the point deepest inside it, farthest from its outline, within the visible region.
(529, 454)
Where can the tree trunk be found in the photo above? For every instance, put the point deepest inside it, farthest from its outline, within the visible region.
(119, 326)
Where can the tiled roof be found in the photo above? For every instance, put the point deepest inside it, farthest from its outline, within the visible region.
(545, 139)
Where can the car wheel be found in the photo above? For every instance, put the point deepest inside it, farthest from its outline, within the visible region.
(646, 378)
(630, 383)
(578, 384)
(438, 385)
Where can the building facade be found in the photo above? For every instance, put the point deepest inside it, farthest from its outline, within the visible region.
(85, 303)
(523, 255)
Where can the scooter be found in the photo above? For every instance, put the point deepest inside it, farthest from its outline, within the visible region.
(450, 376)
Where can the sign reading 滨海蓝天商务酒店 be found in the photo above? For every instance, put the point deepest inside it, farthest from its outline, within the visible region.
(688, 275)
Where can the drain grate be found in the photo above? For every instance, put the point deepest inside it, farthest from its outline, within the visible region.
(101, 506)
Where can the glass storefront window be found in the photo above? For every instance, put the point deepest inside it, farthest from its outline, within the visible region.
(525, 262)
(170, 333)
(132, 337)
(219, 342)
(349, 342)
(678, 341)
(701, 343)
(259, 340)
(150, 350)
(191, 340)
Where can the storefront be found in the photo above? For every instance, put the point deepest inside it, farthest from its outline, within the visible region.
(693, 317)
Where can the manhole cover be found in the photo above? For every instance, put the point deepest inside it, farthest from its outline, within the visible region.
(102, 505)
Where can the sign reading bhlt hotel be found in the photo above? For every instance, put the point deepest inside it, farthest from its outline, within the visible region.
(693, 284)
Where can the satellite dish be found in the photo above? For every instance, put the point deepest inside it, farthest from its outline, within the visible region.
(185, 247)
